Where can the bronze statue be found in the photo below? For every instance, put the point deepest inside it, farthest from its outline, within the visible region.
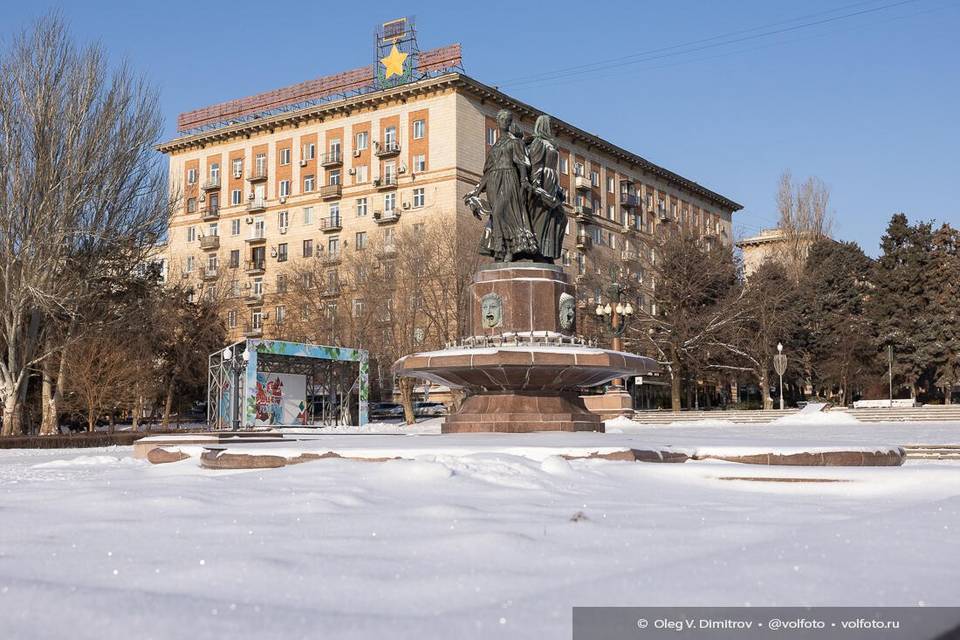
(526, 219)
(506, 181)
(547, 218)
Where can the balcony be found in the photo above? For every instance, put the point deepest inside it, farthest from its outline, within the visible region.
(387, 149)
(209, 242)
(582, 183)
(629, 199)
(331, 223)
(584, 241)
(386, 182)
(331, 191)
(386, 217)
(251, 331)
(388, 251)
(257, 236)
(255, 267)
(629, 256)
(254, 298)
(257, 205)
(331, 159)
(626, 183)
(210, 273)
(330, 291)
(212, 184)
(330, 258)
(583, 212)
(259, 174)
(211, 214)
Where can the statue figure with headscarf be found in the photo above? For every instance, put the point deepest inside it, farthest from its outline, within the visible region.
(506, 181)
(545, 204)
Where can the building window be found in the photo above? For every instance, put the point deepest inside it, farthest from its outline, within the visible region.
(282, 252)
(191, 205)
(236, 197)
(578, 168)
(360, 241)
(418, 197)
(237, 164)
(256, 319)
(610, 184)
(283, 219)
(611, 212)
(191, 176)
(213, 229)
(361, 174)
(389, 202)
(491, 136)
(357, 307)
(419, 129)
(189, 264)
(281, 283)
(260, 164)
(308, 184)
(281, 313)
(234, 258)
(363, 140)
(389, 137)
(335, 213)
(595, 178)
(564, 165)
(335, 149)
(361, 207)
(191, 234)
(565, 257)
(308, 215)
(214, 204)
(334, 176)
(215, 173)
(309, 151)
(235, 227)
(308, 248)
(232, 319)
(284, 188)
(285, 156)
(333, 246)
(420, 163)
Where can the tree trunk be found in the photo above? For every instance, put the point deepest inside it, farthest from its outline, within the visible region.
(406, 398)
(765, 392)
(12, 418)
(137, 410)
(91, 417)
(675, 402)
(168, 406)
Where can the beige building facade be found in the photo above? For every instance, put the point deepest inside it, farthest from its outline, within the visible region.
(318, 182)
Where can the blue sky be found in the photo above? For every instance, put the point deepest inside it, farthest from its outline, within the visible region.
(868, 102)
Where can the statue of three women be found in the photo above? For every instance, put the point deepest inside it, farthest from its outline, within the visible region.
(521, 180)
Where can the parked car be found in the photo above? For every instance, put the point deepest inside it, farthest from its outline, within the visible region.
(429, 409)
(385, 410)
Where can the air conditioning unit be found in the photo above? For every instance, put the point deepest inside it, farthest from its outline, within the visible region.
(356, 153)
(238, 174)
(246, 285)
(249, 219)
(283, 199)
(266, 315)
(303, 163)
(377, 214)
(406, 205)
(376, 182)
(203, 198)
(402, 169)
(273, 252)
(283, 230)
(352, 171)
(251, 195)
(185, 274)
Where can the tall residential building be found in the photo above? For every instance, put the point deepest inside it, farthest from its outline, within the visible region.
(312, 181)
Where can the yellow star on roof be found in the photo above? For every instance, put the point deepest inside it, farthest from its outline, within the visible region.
(394, 62)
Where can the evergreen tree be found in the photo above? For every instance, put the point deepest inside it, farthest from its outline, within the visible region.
(943, 303)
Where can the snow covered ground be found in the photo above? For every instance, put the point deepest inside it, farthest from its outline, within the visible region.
(94, 544)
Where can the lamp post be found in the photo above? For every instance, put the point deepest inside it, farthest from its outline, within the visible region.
(780, 365)
(614, 316)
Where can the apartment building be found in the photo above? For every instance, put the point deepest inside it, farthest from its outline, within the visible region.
(315, 182)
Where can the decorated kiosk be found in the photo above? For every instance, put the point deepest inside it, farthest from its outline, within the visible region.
(275, 383)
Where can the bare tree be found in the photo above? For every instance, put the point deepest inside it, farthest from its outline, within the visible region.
(82, 198)
(804, 218)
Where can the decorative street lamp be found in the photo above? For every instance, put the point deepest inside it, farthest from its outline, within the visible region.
(780, 365)
(614, 317)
